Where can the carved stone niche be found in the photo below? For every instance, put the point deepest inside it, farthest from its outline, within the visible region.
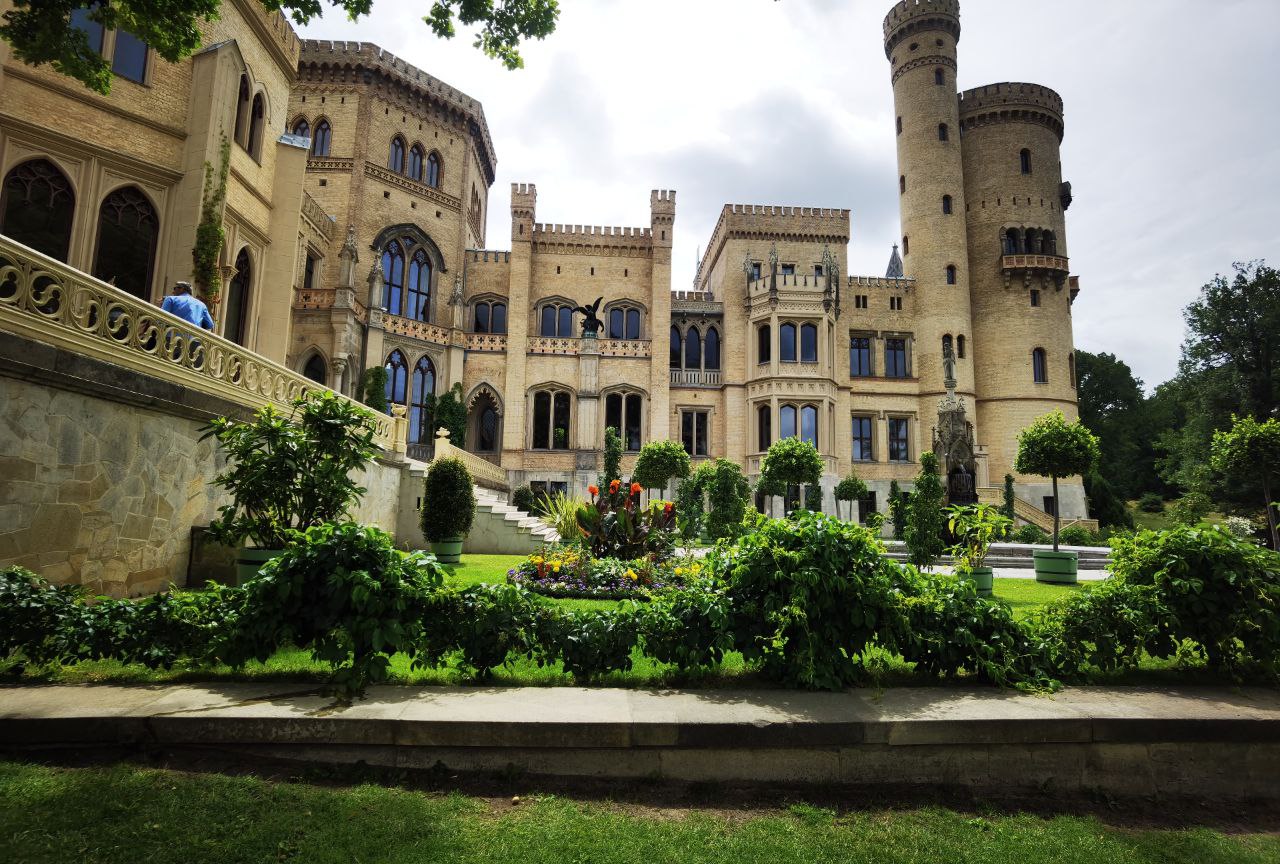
(954, 446)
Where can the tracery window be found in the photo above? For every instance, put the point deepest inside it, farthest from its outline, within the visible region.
(624, 322)
(623, 412)
(407, 275)
(433, 170)
(415, 163)
(397, 377)
(424, 387)
(551, 415)
(395, 161)
(489, 316)
(320, 140)
(128, 231)
(556, 320)
(37, 207)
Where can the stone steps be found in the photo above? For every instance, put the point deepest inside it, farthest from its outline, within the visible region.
(501, 529)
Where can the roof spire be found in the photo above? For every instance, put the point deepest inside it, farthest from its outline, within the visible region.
(894, 270)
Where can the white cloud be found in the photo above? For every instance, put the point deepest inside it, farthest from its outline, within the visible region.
(1172, 141)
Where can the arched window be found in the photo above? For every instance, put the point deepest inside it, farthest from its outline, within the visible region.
(764, 427)
(556, 321)
(711, 349)
(315, 369)
(1032, 241)
(433, 170)
(551, 416)
(1024, 159)
(624, 322)
(943, 132)
(320, 140)
(808, 343)
(787, 421)
(415, 163)
(424, 387)
(809, 424)
(764, 344)
(787, 344)
(623, 413)
(1009, 241)
(397, 377)
(939, 77)
(128, 230)
(1049, 243)
(906, 245)
(490, 317)
(236, 316)
(677, 349)
(37, 206)
(396, 160)
(1071, 369)
(951, 274)
(302, 128)
(393, 277)
(946, 205)
(241, 132)
(902, 184)
(1039, 367)
(418, 299)
(487, 427)
(899, 125)
(256, 123)
(692, 349)
(960, 347)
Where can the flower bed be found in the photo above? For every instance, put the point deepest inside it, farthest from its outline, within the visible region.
(570, 572)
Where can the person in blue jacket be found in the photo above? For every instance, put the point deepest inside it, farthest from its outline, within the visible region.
(186, 307)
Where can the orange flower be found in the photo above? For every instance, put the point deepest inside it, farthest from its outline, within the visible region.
(593, 490)
(636, 488)
(613, 486)
(668, 508)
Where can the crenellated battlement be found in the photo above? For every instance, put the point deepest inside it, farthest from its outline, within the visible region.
(578, 233)
(774, 210)
(489, 256)
(909, 17)
(886, 282)
(1010, 94)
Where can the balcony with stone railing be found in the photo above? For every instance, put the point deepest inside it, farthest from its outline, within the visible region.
(494, 342)
(552, 345)
(415, 329)
(45, 300)
(1032, 266)
(695, 377)
(623, 347)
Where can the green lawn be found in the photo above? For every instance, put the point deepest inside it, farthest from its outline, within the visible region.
(132, 815)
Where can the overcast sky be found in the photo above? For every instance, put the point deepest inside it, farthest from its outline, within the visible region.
(1172, 128)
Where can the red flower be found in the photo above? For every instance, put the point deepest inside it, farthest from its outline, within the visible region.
(636, 488)
(668, 508)
(593, 490)
(613, 486)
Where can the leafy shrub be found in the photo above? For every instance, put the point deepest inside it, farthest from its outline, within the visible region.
(1190, 509)
(589, 643)
(897, 510)
(691, 513)
(33, 615)
(688, 626)
(975, 528)
(1031, 534)
(373, 389)
(1102, 629)
(949, 628)
(791, 461)
(813, 498)
(344, 592)
(1104, 504)
(614, 525)
(1010, 500)
(808, 594)
(1221, 592)
(1151, 502)
(1078, 535)
(925, 522)
(721, 484)
(448, 412)
(559, 511)
(1241, 526)
(287, 474)
(612, 457)
(523, 499)
(488, 624)
(659, 463)
(448, 500)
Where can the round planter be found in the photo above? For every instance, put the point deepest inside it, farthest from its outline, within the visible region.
(249, 561)
(1058, 567)
(983, 580)
(448, 551)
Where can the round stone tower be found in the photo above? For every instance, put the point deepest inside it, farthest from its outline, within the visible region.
(920, 39)
(1019, 280)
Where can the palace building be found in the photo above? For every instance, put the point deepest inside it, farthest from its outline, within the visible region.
(356, 201)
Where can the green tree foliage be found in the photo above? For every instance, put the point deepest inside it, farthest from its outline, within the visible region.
(612, 457)
(925, 518)
(288, 473)
(448, 501)
(1051, 447)
(209, 233)
(1104, 504)
(1252, 449)
(450, 412)
(40, 31)
(720, 484)
(1114, 407)
(813, 498)
(659, 463)
(897, 510)
(849, 489)
(1009, 508)
(373, 389)
(522, 498)
(790, 461)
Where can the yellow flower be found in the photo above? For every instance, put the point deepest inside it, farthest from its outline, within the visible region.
(556, 567)
(679, 571)
(631, 574)
(697, 568)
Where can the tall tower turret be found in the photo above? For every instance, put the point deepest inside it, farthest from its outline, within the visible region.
(1019, 277)
(920, 39)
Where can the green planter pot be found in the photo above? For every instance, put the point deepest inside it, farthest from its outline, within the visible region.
(1058, 567)
(983, 580)
(249, 561)
(448, 551)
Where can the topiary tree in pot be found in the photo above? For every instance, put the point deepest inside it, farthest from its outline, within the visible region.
(791, 461)
(448, 508)
(849, 489)
(975, 528)
(1051, 447)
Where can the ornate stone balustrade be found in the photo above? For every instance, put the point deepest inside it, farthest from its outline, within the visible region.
(45, 300)
(314, 298)
(695, 378)
(623, 347)
(416, 329)
(486, 342)
(313, 211)
(483, 472)
(552, 345)
(1047, 268)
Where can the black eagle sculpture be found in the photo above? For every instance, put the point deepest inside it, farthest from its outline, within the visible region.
(591, 322)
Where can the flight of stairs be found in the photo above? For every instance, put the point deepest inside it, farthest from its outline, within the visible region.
(501, 529)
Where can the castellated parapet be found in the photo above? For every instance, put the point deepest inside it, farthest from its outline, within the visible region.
(910, 17)
(1012, 102)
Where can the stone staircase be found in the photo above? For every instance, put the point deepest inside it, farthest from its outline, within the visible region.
(1029, 513)
(501, 529)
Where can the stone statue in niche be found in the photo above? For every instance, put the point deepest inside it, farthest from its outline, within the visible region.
(591, 322)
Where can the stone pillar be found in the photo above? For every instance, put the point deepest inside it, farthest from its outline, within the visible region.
(590, 425)
(275, 287)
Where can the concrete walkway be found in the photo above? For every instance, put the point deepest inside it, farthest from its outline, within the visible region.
(1124, 740)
